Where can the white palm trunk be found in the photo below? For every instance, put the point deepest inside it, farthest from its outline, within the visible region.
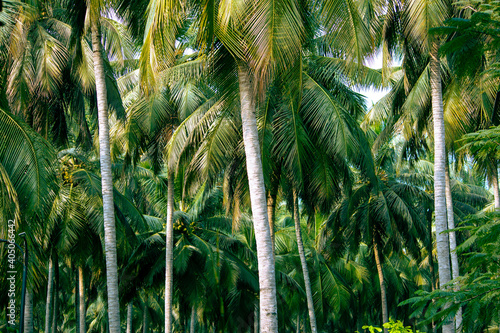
(265, 255)
(271, 207)
(383, 291)
(256, 328)
(130, 308)
(48, 305)
(28, 312)
(55, 294)
(430, 248)
(494, 184)
(169, 270)
(443, 249)
(106, 183)
(145, 320)
(496, 196)
(55, 307)
(81, 300)
(192, 325)
(303, 262)
(455, 269)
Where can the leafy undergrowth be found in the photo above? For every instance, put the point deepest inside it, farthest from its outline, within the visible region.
(392, 326)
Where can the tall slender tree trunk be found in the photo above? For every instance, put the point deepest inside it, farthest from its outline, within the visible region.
(265, 252)
(455, 269)
(169, 253)
(383, 292)
(145, 320)
(106, 181)
(130, 309)
(494, 184)
(28, 312)
(192, 325)
(77, 303)
(443, 249)
(81, 301)
(55, 293)
(430, 248)
(271, 207)
(451, 225)
(496, 196)
(303, 262)
(48, 305)
(256, 328)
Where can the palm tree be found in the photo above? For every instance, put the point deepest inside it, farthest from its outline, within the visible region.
(35, 85)
(78, 13)
(384, 214)
(297, 136)
(29, 190)
(79, 209)
(481, 147)
(288, 141)
(82, 311)
(305, 270)
(442, 242)
(106, 176)
(50, 296)
(27, 179)
(153, 118)
(211, 270)
(485, 99)
(416, 45)
(258, 49)
(268, 307)
(51, 69)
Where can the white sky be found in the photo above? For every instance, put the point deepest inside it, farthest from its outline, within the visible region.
(373, 95)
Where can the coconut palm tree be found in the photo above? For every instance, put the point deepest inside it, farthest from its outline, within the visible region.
(107, 178)
(384, 215)
(27, 191)
(289, 142)
(50, 69)
(298, 137)
(28, 182)
(211, 273)
(91, 12)
(257, 50)
(417, 45)
(481, 147)
(153, 118)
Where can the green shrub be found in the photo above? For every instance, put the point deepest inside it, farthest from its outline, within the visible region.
(392, 326)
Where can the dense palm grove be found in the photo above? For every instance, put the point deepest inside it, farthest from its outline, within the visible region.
(209, 166)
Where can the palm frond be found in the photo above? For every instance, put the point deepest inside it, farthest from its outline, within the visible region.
(423, 15)
(276, 29)
(28, 160)
(158, 48)
(336, 130)
(346, 30)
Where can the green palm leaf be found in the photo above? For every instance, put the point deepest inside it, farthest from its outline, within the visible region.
(346, 31)
(28, 160)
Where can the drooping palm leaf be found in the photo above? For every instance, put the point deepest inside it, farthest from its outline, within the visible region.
(28, 160)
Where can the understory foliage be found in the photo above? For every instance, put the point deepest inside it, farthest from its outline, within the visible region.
(392, 326)
(478, 287)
